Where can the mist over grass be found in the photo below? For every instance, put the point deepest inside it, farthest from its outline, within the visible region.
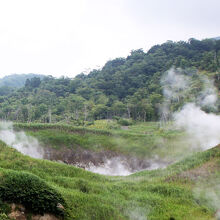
(142, 146)
(156, 194)
(196, 117)
(25, 144)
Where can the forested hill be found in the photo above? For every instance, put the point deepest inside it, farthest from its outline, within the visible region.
(17, 80)
(125, 87)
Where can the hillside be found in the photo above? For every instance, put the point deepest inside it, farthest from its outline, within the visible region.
(125, 87)
(17, 80)
(177, 192)
(217, 38)
(11, 83)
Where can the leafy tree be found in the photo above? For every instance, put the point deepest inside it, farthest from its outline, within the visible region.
(125, 87)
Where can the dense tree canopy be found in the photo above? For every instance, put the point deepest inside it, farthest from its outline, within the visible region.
(125, 87)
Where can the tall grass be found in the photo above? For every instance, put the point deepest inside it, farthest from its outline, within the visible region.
(148, 194)
(141, 140)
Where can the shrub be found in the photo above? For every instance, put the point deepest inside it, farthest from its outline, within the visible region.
(124, 122)
(30, 191)
(3, 216)
(4, 208)
(90, 123)
(116, 118)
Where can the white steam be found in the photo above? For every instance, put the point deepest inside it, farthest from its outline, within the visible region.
(197, 92)
(137, 213)
(174, 84)
(208, 96)
(211, 195)
(113, 167)
(203, 128)
(119, 166)
(180, 85)
(20, 141)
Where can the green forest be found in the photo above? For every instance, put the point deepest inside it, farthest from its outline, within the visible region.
(125, 88)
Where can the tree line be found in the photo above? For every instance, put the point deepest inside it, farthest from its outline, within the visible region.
(125, 87)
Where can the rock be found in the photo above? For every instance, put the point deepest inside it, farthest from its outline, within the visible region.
(17, 212)
(60, 206)
(17, 215)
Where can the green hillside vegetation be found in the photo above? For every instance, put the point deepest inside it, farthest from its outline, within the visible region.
(11, 83)
(161, 194)
(125, 87)
(17, 80)
(140, 140)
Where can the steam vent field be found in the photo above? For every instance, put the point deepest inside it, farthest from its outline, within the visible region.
(138, 139)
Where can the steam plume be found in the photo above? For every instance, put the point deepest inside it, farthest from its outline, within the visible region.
(19, 140)
(113, 167)
(210, 194)
(203, 128)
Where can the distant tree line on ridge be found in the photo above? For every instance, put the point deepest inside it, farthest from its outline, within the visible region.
(125, 87)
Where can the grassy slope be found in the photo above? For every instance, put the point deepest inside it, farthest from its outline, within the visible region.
(159, 194)
(141, 140)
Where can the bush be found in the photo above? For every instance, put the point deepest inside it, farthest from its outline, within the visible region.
(30, 191)
(90, 123)
(4, 208)
(113, 126)
(124, 122)
(3, 216)
(117, 118)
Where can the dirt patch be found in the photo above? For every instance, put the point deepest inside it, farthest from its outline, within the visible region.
(201, 172)
(18, 212)
(78, 156)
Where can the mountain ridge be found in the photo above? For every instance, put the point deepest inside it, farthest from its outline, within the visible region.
(125, 87)
(17, 80)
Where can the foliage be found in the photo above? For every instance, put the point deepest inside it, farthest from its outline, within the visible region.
(3, 216)
(124, 122)
(30, 191)
(125, 87)
(141, 140)
(159, 194)
(4, 208)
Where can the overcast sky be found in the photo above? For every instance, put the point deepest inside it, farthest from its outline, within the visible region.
(67, 37)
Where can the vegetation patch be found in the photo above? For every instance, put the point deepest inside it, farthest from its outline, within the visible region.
(146, 194)
(157, 194)
(30, 191)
